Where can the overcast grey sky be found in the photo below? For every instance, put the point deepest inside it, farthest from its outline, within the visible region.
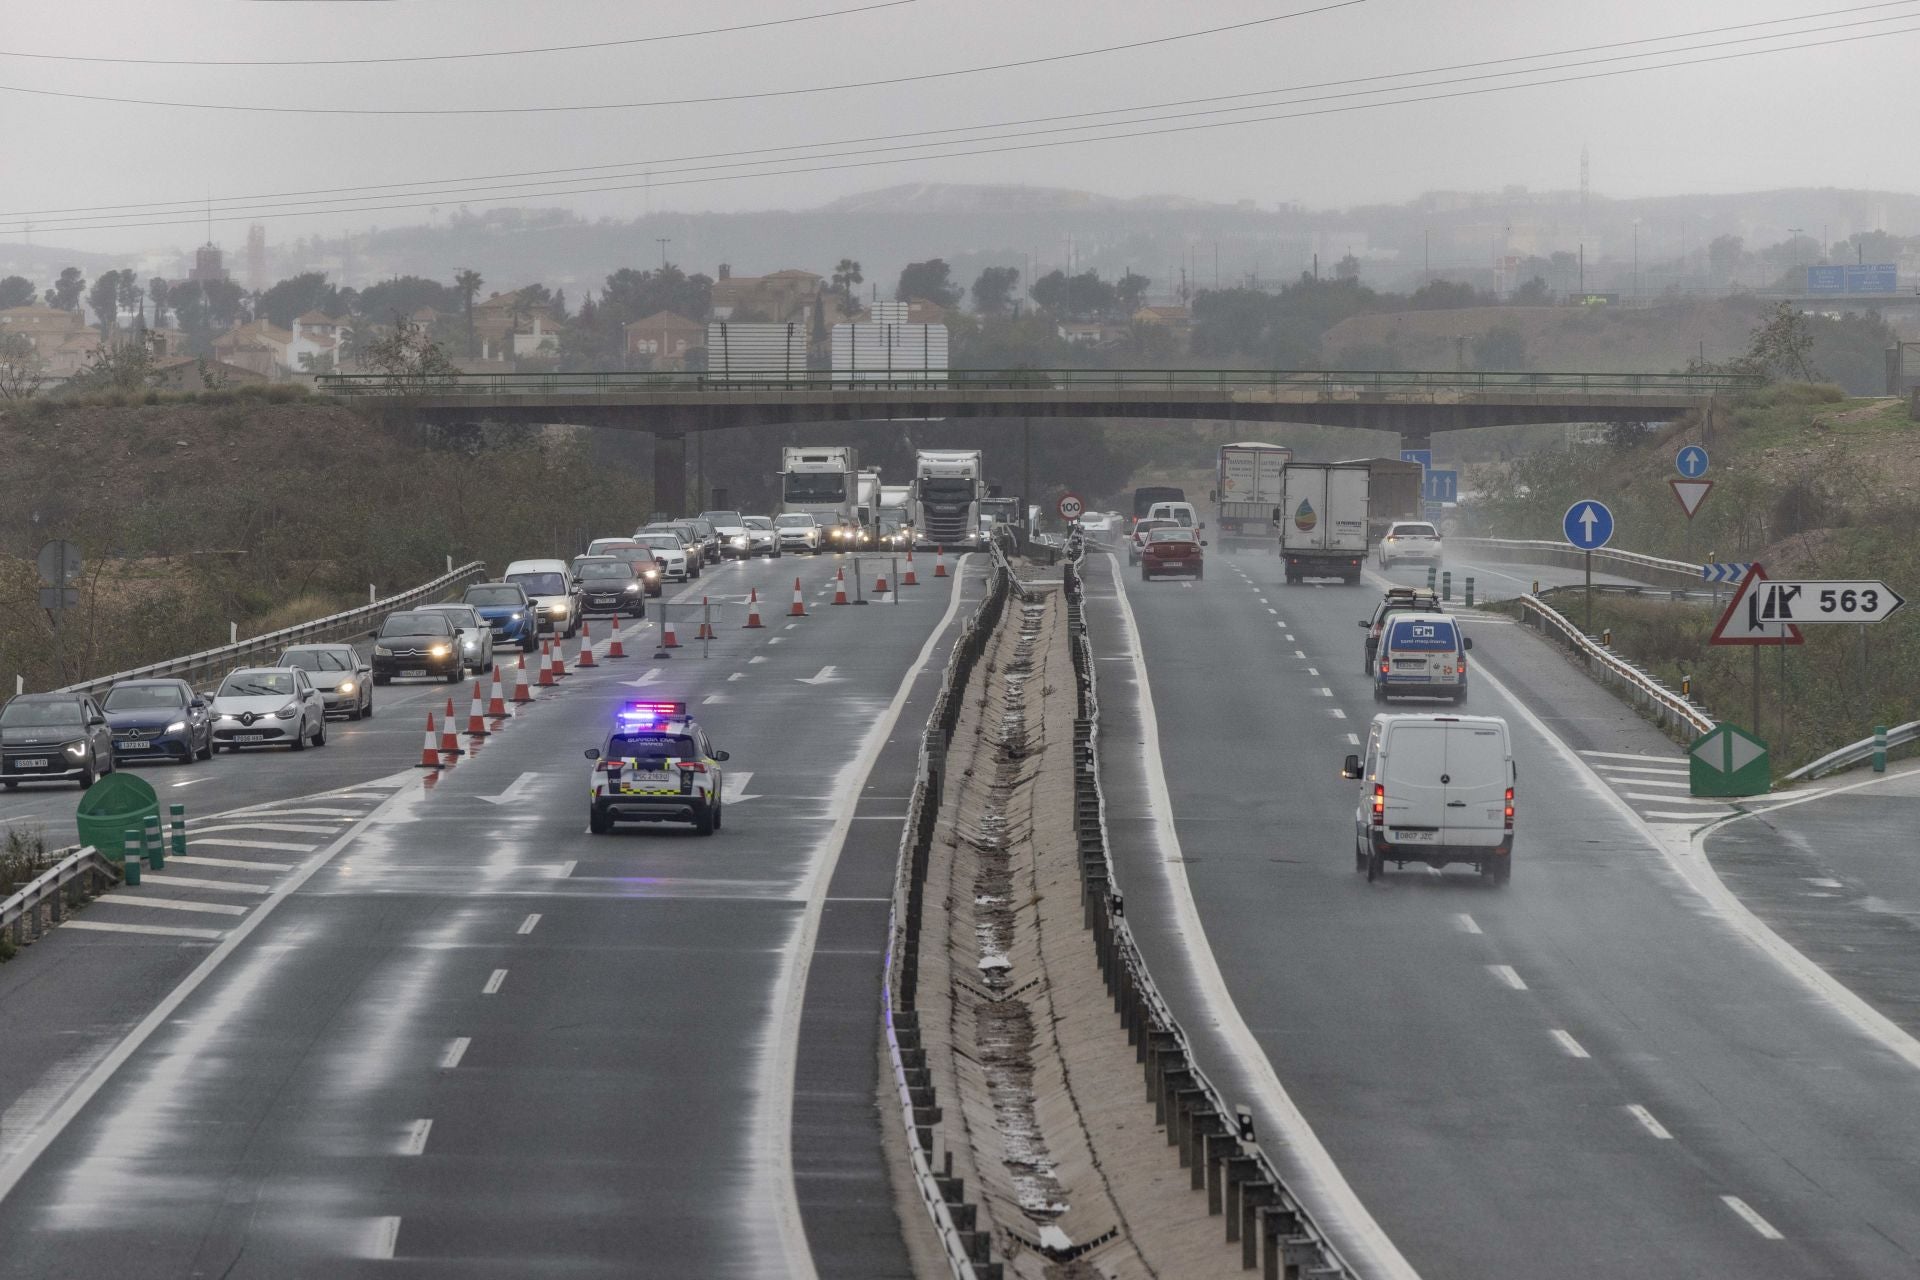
(1838, 115)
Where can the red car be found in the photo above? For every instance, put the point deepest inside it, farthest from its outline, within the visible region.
(1137, 540)
(1173, 550)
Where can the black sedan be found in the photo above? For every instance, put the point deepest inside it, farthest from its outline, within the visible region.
(417, 644)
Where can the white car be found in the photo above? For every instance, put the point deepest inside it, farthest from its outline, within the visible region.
(269, 706)
(799, 531)
(762, 539)
(669, 550)
(1410, 540)
(735, 541)
(549, 584)
(1436, 789)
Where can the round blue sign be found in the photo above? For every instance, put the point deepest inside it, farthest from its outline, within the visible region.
(1691, 462)
(1588, 524)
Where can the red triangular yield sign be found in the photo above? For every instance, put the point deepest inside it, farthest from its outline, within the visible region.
(1744, 621)
(1691, 494)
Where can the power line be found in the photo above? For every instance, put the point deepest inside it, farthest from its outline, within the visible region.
(454, 185)
(1111, 137)
(452, 57)
(687, 102)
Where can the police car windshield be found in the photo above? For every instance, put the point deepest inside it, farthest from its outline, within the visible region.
(145, 697)
(623, 746)
(494, 597)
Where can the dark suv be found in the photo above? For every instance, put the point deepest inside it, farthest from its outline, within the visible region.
(47, 737)
(1397, 600)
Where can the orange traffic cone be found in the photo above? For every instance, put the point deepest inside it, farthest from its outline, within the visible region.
(496, 704)
(880, 583)
(429, 751)
(839, 586)
(546, 664)
(668, 640)
(613, 646)
(798, 609)
(706, 629)
(477, 715)
(449, 738)
(940, 562)
(586, 647)
(520, 691)
(753, 609)
(907, 578)
(559, 658)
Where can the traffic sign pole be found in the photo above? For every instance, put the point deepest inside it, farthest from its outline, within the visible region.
(1589, 559)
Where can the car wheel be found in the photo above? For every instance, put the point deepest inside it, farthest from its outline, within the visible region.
(1198, 574)
(357, 712)
(1380, 694)
(703, 822)
(1359, 855)
(368, 711)
(718, 813)
(597, 822)
(206, 752)
(88, 778)
(299, 742)
(1376, 866)
(320, 733)
(530, 645)
(1498, 869)
(453, 676)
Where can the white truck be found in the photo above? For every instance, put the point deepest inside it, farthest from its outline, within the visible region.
(867, 509)
(823, 482)
(895, 524)
(947, 487)
(1248, 485)
(1322, 514)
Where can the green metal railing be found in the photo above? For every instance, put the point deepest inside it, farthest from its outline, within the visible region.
(1664, 387)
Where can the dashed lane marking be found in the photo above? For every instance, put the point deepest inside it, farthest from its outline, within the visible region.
(1647, 1122)
(1506, 974)
(1465, 923)
(1568, 1044)
(456, 1050)
(528, 925)
(416, 1140)
(1336, 713)
(173, 904)
(1765, 1229)
(1630, 755)
(493, 982)
(1353, 739)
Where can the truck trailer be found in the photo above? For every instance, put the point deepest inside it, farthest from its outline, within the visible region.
(1248, 485)
(1322, 516)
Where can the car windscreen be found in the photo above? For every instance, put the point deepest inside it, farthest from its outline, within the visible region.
(793, 522)
(607, 546)
(257, 684)
(949, 488)
(1422, 634)
(1148, 526)
(493, 597)
(641, 745)
(661, 542)
(756, 522)
(721, 517)
(621, 571)
(1414, 531)
(27, 714)
(542, 584)
(145, 697)
(316, 660)
(417, 624)
(1169, 535)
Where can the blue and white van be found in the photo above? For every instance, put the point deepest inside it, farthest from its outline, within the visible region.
(1421, 655)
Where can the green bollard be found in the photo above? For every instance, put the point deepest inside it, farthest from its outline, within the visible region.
(150, 841)
(1469, 593)
(1879, 748)
(1446, 585)
(177, 820)
(1430, 572)
(130, 855)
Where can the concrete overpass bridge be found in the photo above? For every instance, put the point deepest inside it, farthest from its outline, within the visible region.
(672, 406)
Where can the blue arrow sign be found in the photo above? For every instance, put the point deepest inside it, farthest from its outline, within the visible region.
(1441, 486)
(1422, 456)
(1723, 572)
(1691, 462)
(1588, 524)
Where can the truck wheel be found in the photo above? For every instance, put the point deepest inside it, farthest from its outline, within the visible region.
(1376, 866)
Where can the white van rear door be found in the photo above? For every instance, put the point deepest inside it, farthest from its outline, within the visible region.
(1477, 781)
(1415, 796)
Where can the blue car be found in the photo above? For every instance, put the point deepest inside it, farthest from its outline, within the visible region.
(507, 611)
(158, 720)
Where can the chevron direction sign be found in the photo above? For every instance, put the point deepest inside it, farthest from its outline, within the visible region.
(1723, 572)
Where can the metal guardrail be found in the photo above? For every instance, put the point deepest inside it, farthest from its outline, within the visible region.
(333, 626)
(50, 891)
(1668, 709)
(1541, 551)
(1663, 386)
(1276, 1232)
(1856, 752)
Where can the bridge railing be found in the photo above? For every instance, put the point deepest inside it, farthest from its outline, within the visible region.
(1659, 387)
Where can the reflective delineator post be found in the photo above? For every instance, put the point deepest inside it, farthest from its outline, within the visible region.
(130, 854)
(1432, 573)
(1469, 593)
(177, 822)
(151, 843)
(1879, 748)
(1446, 585)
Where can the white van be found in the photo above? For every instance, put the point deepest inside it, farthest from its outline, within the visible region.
(1181, 513)
(1438, 789)
(549, 584)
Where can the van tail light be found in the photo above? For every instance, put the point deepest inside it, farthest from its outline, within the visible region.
(1380, 804)
(1386, 668)
(1509, 808)
(1463, 664)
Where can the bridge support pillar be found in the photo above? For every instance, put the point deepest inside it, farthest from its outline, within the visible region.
(670, 472)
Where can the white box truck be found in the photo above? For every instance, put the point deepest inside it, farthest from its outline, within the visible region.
(1322, 514)
(947, 487)
(1248, 485)
(822, 481)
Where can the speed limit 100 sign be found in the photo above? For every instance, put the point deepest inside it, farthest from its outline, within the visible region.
(1071, 507)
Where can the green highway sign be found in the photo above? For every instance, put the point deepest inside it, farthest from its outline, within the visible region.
(1728, 762)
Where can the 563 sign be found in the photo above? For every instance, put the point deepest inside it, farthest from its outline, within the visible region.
(1843, 601)
(1767, 612)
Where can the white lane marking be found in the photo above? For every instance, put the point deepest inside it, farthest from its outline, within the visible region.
(195, 882)
(1647, 1122)
(1299, 653)
(493, 982)
(1464, 923)
(756, 658)
(773, 639)
(416, 1141)
(1765, 1229)
(298, 828)
(173, 904)
(652, 674)
(54, 1124)
(193, 782)
(1668, 798)
(1506, 974)
(738, 675)
(1314, 671)
(513, 790)
(1324, 692)
(278, 846)
(778, 1067)
(386, 1237)
(1632, 755)
(157, 930)
(1322, 1186)
(1568, 1044)
(712, 698)
(566, 869)
(235, 864)
(1677, 817)
(528, 925)
(1652, 782)
(1822, 882)
(1353, 739)
(790, 626)
(826, 675)
(733, 786)
(456, 1050)
(1271, 610)
(1608, 770)
(236, 815)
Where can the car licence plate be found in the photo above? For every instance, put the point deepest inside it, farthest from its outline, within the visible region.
(133, 746)
(40, 763)
(249, 737)
(415, 671)
(1414, 837)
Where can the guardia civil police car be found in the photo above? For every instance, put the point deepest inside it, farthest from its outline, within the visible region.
(655, 766)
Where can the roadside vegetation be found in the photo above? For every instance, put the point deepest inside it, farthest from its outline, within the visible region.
(23, 855)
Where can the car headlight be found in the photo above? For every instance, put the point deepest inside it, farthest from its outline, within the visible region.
(346, 686)
(381, 651)
(470, 643)
(287, 712)
(439, 650)
(653, 573)
(633, 586)
(559, 608)
(76, 749)
(516, 617)
(740, 540)
(178, 726)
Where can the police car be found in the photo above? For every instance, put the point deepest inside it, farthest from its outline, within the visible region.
(655, 766)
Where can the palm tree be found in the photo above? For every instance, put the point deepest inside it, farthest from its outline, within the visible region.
(846, 275)
(468, 282)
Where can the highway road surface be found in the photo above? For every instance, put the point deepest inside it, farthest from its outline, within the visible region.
(1592, 1072)
(396, 1016)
